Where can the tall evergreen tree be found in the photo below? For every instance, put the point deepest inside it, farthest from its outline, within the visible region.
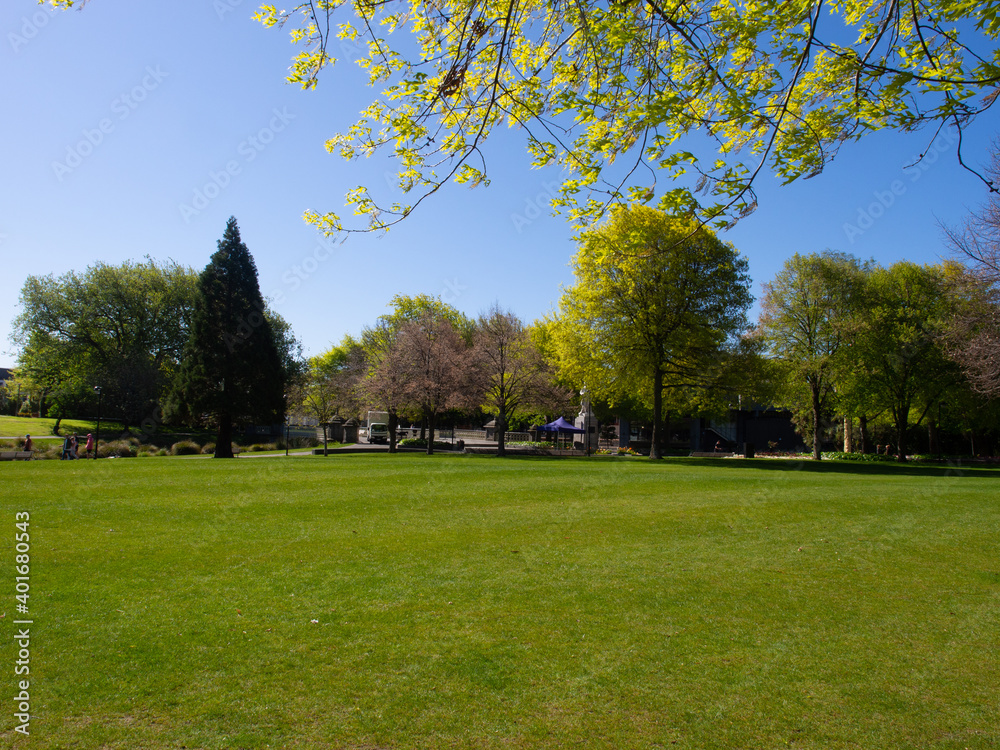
(232, 370)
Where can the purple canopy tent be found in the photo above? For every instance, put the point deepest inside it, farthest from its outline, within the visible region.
(559, 426)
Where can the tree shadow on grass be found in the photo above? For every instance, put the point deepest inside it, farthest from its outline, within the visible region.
(950, 469)
(858, 468)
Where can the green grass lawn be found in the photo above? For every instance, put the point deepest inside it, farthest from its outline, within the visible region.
(41, 428)
(377, 601)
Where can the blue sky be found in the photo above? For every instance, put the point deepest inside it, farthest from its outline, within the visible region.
(132, 129)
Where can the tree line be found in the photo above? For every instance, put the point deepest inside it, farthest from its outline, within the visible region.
(656, 326)
(164, 343)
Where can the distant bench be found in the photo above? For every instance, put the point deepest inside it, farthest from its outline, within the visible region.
(15, 455)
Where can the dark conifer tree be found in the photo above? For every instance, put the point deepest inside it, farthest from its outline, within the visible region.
(232, 370)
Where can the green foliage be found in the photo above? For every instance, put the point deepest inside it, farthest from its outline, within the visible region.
(897, 345)
(120, 327)
(615, 93)
(375, 340)
(330, 383)
(655, 312)
(806, 318)
(870, 458)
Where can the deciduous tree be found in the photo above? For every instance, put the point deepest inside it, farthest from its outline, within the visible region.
(898, 343)
(511, 371)
(120, 327)
(385, 386)
(330, 384)
(805, 319)
(436, 367)
(974, 339)
(657, 301)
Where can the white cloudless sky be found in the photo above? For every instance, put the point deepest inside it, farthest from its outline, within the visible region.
(133, 129)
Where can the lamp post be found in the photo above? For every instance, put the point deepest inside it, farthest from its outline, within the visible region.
(97, 437)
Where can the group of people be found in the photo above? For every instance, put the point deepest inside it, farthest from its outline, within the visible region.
(71, 447)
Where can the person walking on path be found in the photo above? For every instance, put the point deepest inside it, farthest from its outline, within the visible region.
(29, 445)
(67, 447)
(90, 445)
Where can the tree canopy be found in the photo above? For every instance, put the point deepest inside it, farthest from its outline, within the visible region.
(657, 300)
(120, 327)
(510, 369)
(898, 344)
(806, 317)
(613, 91)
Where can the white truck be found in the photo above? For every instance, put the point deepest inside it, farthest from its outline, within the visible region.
(377, 428)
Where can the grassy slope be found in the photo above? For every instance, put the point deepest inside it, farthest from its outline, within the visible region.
(471, 602)
(41, 428)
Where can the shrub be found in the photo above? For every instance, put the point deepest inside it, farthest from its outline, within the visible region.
(617, 452)
(258, 447)
(209, 449)
(185, 448)
(52, 451)
(863, 457)
(119, 449)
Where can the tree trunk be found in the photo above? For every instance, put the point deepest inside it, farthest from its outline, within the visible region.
(55, 429)
(814, 387)
(866, 438)
(423, 428)
(430, 433)
(501, 428)
(654, 441)
(902, 419)
(326, 439)
(393, 424)
(932, 437)
(848, 437)
(224, 440)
